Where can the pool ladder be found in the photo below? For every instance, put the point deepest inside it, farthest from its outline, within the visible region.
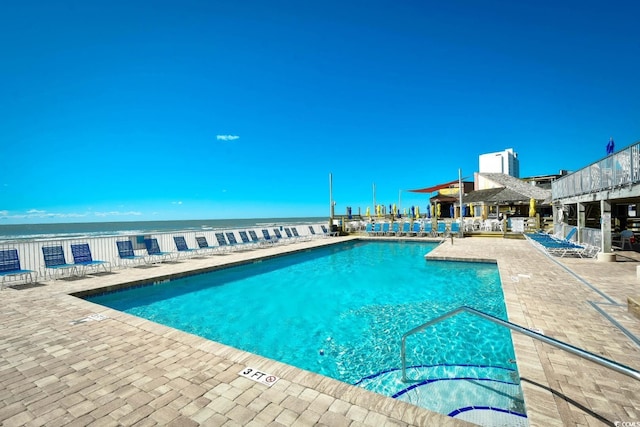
(528, 332)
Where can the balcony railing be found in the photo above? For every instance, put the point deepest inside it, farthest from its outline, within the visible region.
(614, 171)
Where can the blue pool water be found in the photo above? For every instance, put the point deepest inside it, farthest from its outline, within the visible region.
(341, 311)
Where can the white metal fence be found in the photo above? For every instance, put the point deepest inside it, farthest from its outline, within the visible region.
(104, 248)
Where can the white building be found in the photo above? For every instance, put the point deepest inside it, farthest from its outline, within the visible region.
(505, 162)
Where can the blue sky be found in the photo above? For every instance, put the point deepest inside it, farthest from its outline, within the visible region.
(154, 110)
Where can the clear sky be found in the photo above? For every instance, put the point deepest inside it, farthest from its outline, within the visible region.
(152, 110)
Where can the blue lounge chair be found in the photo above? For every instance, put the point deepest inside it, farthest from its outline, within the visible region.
(222, 242)
(126, 253)
(254, 237)
(442, 229)
(231, 238)
(154, 252)
(268, 238)
(203, 245)
(55, 261)
(82, 257)
(10, 267)
(385, 229)
(395, 229)
(455, 228)
(427, 229)
(406, 228)
(183, 248)
(415, 230)
(297, 235)
(328, 233)
(289, 234)
(245, 239)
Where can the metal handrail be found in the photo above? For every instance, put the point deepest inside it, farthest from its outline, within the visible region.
(528, 332)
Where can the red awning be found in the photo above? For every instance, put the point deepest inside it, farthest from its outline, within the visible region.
(435, 187)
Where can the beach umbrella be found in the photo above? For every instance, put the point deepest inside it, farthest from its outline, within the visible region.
(368, 212)
(413, 211)
(429, 211)
(451, 210)
(473, 213)
(466, 210)
(532, 207)
(417, 211)
(438, 210)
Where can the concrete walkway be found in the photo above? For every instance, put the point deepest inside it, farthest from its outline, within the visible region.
(58, 366)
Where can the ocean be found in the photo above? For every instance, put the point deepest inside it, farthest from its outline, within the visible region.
(26, 232)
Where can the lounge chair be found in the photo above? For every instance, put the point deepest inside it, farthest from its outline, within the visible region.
(395, 229)
(297, 235)
(154, 252)
(441, 231)
(55, 261)
(328, 233)
(268, 238)
(416, 228)
(245, 239)
(427, 229)
(385, 229)
(406, 228)
(82, 257)
(203, 245)
(277, 233)
(183, 248)
(454, 228)
(231, 238)
(222, 242)
(127, 254)
(289, 234)
(312, 231)
(10, 267)
(254, 238)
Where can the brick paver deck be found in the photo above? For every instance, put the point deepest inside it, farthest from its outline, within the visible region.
(58, 368)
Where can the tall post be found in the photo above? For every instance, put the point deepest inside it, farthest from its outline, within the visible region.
(461, 232)
(331, 204)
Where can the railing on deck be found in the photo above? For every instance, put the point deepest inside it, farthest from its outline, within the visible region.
(607, 363)
(615, 170)
(104, 248)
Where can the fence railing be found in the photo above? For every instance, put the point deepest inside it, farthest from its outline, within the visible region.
(615, 170)
(104, 248)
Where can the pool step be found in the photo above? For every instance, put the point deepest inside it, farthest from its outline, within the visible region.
(485, 395)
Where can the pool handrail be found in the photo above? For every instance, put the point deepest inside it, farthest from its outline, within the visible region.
(607, 363)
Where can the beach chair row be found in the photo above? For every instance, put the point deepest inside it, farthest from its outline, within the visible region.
(562, 247)
(415, 229)
(58, 265)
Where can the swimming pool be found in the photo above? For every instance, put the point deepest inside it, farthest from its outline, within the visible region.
(341, 310)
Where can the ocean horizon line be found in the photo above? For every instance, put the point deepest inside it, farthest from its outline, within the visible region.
(43, 231)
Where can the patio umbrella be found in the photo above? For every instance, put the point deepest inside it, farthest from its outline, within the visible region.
(466, 210)
(413, 211)
(417, 211)
(438, 210)
(532, 207)
(429, 211)
(368, 212)
(451, 211)
(394, 211)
